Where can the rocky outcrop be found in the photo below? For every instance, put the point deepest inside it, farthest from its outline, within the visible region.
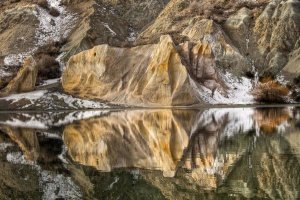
(145, 75)
(17, 30)
(227, 55)
(116, 23)
(277, 33)
(245, 38)
(148, 75)
(25, 79)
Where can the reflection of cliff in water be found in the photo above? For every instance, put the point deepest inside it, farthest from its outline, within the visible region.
(173, 154)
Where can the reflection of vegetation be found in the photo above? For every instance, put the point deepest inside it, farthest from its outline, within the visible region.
(269, 119)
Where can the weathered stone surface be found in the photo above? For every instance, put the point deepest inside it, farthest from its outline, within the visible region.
(144, 75)
(17, 30)
(116, 23)
(25, 79)
(277, 32)
(227, 55)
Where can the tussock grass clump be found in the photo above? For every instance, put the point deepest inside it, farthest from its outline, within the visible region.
(269, 90)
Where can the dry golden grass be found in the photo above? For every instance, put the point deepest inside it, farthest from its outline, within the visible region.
(270, 91)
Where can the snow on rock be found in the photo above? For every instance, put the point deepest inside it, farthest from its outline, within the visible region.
(4, 146)
(239, 91)
(50, 29)
(74, 102)
(44, 121)
(53, 28)
(132, 35)
(16, 59)
(42, 99)
(113, 33)
(50, 81)
(31, 96)
(17, 158)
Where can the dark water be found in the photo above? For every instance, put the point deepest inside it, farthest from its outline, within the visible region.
(232, 153)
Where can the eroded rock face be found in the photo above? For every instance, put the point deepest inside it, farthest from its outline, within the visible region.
(116, 23)
(277, 32)
(135, 137)
(25, 79)
(227, 55)
(144, 75)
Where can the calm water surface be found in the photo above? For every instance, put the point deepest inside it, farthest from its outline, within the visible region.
(228, 153)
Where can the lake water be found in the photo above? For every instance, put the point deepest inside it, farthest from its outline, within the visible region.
(218, 153)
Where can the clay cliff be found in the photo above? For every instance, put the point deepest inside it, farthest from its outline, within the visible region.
(213, 52)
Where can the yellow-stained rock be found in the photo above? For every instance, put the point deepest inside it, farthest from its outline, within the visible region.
(151, 75)
(25, 79)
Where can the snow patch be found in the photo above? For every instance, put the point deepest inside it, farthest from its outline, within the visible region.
(57, 186)
(53, 100)
(17, 158)
(239, 91)
(31, 96)
(51, 119)
(15, 59)
(50, 29)
(4, 146)
(132, 35)
(50, 81)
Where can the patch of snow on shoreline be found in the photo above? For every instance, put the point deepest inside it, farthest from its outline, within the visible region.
(53, 100)
(239, 91)
(31, 96)
(52, 119)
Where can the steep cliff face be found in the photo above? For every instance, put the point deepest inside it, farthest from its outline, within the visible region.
(116, 23)
(247, 39)
(277, 33)
(144, 75)
(24, 81)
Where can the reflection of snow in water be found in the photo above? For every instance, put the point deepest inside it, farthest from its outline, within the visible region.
(57, 186)
(53, 185)
(50, 29)
(235, 119)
